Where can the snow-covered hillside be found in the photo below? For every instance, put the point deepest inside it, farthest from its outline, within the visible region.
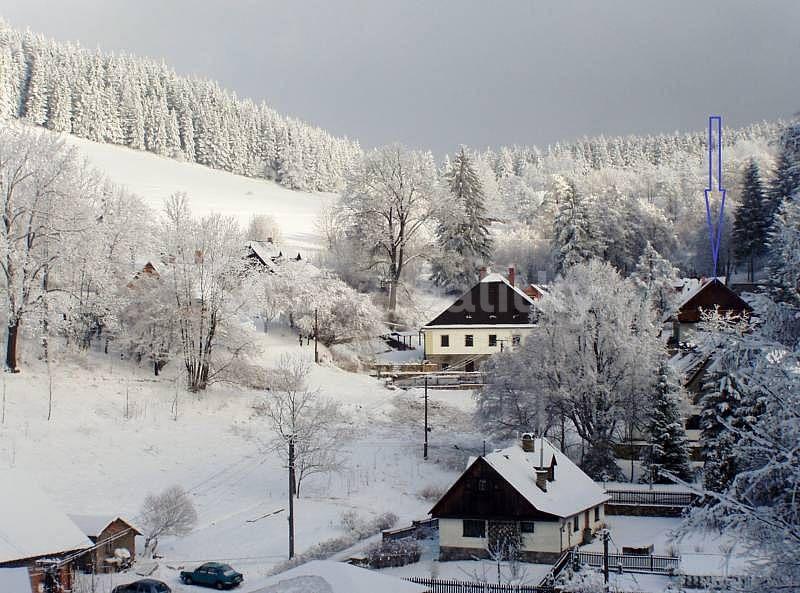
(155, 178)
(92, 459)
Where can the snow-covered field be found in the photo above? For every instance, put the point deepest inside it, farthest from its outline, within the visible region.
(91, 459)
(155, 178)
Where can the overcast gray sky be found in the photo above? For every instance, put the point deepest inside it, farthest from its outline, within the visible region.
(439, 73)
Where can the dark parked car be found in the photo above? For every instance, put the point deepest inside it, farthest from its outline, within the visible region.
(213, 574)
(143, 586)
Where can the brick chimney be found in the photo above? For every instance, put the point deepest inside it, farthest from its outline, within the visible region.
(482, 271)
(541, 478)
(512, 275)
(527, 442)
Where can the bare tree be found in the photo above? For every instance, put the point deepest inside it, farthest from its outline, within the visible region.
(303, 416)
(170, 512)
(263, 227)
(42, 191)
(387, 204)
(204, 269)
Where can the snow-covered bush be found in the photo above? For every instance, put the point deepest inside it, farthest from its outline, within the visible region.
(321, 551)
(393, 553)
(432, 492)
(360, 527)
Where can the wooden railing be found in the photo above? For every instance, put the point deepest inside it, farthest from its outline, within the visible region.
(651, 498)
(454, 586)
(632, 563)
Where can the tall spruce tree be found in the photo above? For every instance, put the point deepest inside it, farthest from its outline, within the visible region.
(784, 236)
(786, 179)
(752, 221)
(666, 437)
(463, 230)
(718, 441)
(574, 239)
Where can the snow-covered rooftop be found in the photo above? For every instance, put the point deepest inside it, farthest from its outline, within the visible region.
(265, 252)
(15, 580)
(495, 277)
(30, 524)
(325, 576)
(571, 492)
(93, 525)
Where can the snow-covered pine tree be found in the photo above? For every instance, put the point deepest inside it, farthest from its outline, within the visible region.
(760, 505)
(784, 237)
(732, 400)
(574, 240)
(784, 252)
(655, 276)
(463, 233)
(751, 223)
(786, 178)
(667, 449)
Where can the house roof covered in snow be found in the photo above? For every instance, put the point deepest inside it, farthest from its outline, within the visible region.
(31, 526)
(94, 525)
(265, 252)
(707, 296)
(325, 576)
(492, 301)
(568, 493)
(15, 580)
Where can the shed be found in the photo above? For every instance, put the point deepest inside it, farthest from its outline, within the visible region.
(118, 539)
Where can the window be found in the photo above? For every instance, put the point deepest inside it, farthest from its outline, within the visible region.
(526, 526)
(474, 528)
(445, 341)
(483, 485)
(492, 340)
(596, 514)
(575, 526)
(515, 340)
(468, 340)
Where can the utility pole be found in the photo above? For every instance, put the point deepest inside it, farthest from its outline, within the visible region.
(291, 496)
(606, 536)
(316, 333)
(425, 447)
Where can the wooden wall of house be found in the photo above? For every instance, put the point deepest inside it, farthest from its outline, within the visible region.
(96, 560)
(499, 501)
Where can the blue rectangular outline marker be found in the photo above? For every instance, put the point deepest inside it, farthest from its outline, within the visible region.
(715, 233)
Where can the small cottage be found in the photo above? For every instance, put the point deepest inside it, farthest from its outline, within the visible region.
(709, 295)
(492, 316)
(117, 539)
(530, 493)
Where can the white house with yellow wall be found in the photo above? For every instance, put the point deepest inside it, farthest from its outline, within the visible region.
(531, 494)
(492, 316)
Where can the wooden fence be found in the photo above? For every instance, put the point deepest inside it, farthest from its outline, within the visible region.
(454, 586)
(632, 563)
(651, 498)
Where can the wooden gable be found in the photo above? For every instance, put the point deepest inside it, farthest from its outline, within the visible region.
(482, 493)
(713, 294)
(487, 303)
